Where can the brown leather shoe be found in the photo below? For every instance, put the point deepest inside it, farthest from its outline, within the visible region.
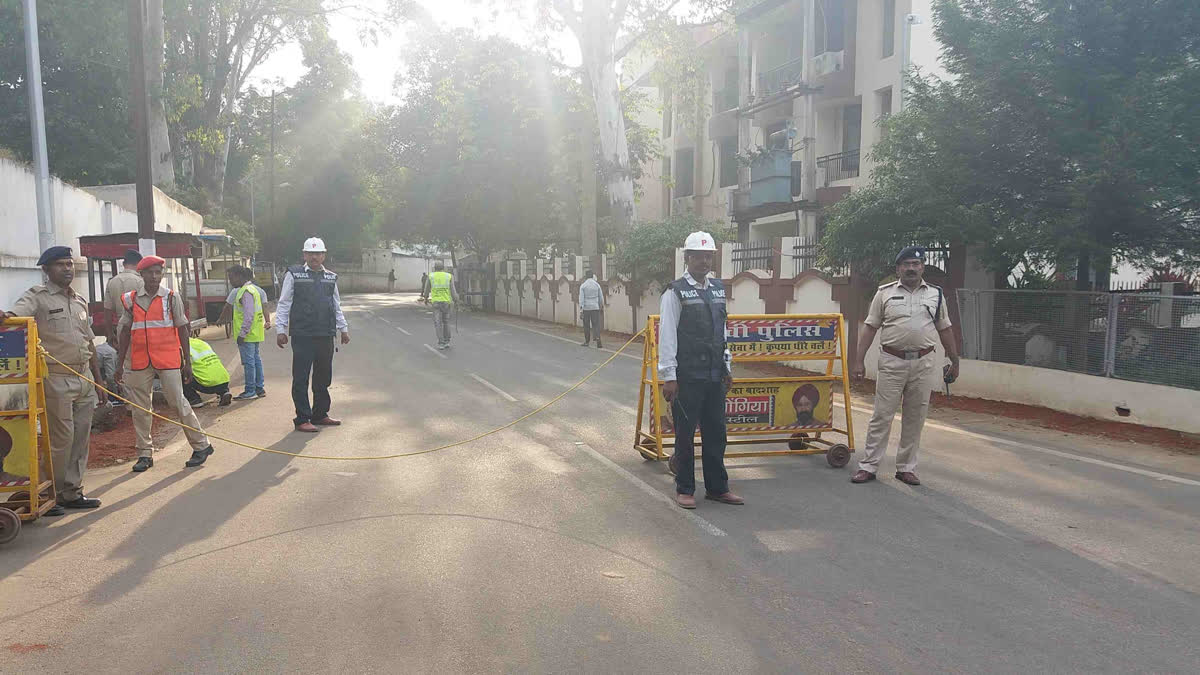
(908, 477)
(672, 465)
(307, 427)
(685, 501)
(327, 422)
(726, 498)
(862, 476)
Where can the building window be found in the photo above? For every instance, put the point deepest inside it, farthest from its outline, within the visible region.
(831, 27)
(666, 179)
(851, 128)
(668, 120)
(885, 102)
(889, 28)
(729, 165)
(684, 171)
(797, 178)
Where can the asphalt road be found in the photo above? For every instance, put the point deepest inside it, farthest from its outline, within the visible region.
(552, 546)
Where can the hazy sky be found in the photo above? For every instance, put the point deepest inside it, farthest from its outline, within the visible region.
(377, 64)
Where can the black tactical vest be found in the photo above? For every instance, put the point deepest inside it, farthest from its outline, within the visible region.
(312, 302)
(701, 333)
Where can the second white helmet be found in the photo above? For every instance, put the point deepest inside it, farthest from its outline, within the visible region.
(700, 241)
(314, 245)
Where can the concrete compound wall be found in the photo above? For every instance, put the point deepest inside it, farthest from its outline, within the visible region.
(1085, 395)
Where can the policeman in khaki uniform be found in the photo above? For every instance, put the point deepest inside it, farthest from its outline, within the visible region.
(906, 314)
(66, 334)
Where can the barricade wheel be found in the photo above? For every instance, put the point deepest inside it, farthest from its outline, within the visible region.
(798, 442)
(838, 455)
(10, 525)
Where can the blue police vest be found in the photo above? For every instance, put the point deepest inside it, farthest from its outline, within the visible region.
(701, 332)
(313, 311)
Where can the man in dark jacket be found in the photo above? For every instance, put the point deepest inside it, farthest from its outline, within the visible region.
(310, 311)
(695, 366)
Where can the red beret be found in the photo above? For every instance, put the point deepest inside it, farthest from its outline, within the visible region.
(150, 261)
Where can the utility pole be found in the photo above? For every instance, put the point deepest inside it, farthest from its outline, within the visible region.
(37, 120)
(271, 170)
(140, 105)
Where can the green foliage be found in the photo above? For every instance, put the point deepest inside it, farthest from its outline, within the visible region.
(648, 252)
(84, 83)
(1063, 135)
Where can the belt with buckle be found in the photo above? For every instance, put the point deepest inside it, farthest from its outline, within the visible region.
(907, 356)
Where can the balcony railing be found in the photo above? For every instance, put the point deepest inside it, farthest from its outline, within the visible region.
(839, 166)
(755, 255)
(776, 80)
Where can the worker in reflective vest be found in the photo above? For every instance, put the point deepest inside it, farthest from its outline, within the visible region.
(208, 376)
(439, 290)
(250, 323)
(153, 329)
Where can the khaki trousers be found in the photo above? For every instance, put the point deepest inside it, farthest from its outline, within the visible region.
(70, 403)
(900, 383)
(140, 386)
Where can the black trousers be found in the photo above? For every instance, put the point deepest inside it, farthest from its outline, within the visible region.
(311, 355)
(192, 389)
(700, 403)
(591, 324)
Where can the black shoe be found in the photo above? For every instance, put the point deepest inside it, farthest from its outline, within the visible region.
(598, 345)
(81, 502)
(585, 344)
(198, 456)
(226, 399)
(262, 393)
(142, 464)
(56, 511)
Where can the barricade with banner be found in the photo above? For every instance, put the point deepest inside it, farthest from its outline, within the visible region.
(26, 472)
(797, 411)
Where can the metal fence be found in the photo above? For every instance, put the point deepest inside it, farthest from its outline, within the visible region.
(804, 257)
(754, 255)
(1132, 336)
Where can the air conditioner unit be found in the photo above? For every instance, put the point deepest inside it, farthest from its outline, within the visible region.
(827, 63)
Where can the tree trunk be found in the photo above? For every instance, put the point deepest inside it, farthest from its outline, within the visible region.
(599, 62)
(587, 189)
(162, 163)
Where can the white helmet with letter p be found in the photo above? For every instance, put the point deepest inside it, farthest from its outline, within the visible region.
(699, 241)
(314, 245)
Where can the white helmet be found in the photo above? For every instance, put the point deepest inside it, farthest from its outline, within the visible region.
(314, 245)
(700, 241)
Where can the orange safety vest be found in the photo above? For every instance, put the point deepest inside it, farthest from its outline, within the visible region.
(153, 336)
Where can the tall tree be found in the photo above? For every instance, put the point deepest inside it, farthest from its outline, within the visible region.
(1067, 131)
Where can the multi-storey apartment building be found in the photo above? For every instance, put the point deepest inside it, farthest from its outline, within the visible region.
(795, 90)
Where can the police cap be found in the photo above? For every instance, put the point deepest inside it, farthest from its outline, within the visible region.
(911, 253)
(54, 253)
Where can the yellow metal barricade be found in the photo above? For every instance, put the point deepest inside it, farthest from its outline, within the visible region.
(797, 411)
(26, 472)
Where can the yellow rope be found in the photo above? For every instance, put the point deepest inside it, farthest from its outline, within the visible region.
(455, 444)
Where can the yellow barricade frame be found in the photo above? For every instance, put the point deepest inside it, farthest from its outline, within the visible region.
(30, 499)
(651, 441)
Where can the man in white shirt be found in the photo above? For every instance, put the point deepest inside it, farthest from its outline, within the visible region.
(694, 364)
(591, 308)
(310, 311)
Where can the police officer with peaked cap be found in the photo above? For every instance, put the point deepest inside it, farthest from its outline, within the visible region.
(66, 334)
(909, 315)
(694, 364)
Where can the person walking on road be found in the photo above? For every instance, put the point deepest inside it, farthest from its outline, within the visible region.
(310, 311)
(591, 307)
(695, 365)
(153, 332)
(439, 289)
(906, 314)
(208, 376)
(392, 280)
(250, 322)
(66, 334)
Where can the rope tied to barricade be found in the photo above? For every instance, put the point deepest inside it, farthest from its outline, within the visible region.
(397, 455)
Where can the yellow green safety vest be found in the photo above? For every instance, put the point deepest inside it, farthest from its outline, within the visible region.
(258, 328)
(206, 365)
(439, 287)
